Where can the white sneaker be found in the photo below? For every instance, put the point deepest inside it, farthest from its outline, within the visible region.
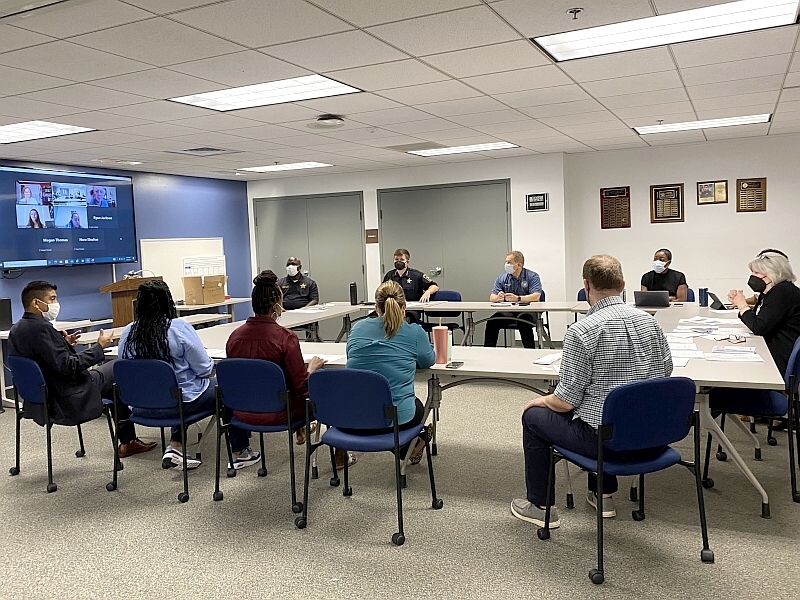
(608, 505)
(175, 455)
(246, 458)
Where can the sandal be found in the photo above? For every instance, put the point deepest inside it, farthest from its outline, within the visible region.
(352, 459)
(300, 434)
(416, 454)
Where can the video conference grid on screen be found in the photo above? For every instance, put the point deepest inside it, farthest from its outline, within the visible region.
(65, 218)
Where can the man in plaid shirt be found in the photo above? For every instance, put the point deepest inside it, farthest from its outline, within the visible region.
(613, 345)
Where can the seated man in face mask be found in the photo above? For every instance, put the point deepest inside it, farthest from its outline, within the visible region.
(417, 286)
(299, 291)
(516, 284)
(76, 381)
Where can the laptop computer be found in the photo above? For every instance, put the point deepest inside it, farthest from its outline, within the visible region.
(716, 303)
(651, 299)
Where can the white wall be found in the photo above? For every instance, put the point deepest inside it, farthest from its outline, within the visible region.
(714, 243)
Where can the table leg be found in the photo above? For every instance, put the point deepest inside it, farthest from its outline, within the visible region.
(470, 332)
(346, 324)
(541, 332)
(708, 422)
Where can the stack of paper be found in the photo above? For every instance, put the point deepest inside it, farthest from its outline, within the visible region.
(734, 349)
(678, 346)
(216, 353)
(687, 354)
(733, 357)
(548, 359)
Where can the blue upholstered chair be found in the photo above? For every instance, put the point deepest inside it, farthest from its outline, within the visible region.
(356, 399)
(254, 386)
(445, 296)
(582, 295)
(148, 384)
(30, 386)
(689, 294)
(514, 326)
(651, 413)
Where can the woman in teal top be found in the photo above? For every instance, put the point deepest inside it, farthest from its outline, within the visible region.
(394, 348)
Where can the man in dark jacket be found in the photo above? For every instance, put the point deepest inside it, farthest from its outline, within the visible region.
(75, 380)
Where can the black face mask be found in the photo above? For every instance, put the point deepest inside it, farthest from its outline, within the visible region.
(756, 284)
(399, 265)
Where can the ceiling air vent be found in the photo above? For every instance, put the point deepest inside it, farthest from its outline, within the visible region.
(413, 147)
(204, 151)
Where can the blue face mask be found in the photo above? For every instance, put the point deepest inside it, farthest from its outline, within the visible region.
(508, 268)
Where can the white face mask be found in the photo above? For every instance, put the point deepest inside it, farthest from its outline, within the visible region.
(52, 311)
(659, 266)
(292, 270)
(509, 268)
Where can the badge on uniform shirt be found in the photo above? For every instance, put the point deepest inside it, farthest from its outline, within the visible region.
(524, 284)
(426, 278)
(408, 280)
(302, 286)
(286, 287)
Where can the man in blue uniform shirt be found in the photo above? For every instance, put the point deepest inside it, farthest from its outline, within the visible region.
(517, 284)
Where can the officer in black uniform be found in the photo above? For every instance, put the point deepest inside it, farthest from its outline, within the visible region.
(299, 291)
(417, 286)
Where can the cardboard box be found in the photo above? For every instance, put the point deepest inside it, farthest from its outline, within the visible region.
(204, 290)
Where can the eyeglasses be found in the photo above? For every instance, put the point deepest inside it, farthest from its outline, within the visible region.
(736, 339)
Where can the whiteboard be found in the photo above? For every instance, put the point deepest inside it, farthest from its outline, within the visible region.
(164, 257)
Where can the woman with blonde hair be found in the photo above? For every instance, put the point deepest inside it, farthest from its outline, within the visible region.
(394, 348)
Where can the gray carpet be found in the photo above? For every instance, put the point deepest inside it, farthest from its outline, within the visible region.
(139, 542)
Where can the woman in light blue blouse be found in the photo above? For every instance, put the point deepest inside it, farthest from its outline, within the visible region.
(157, 333)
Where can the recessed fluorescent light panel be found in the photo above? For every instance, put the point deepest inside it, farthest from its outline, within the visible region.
(264, 94)
(710, 124)
(684, 26)
(36, 130)
(461, 149)
(287, 167)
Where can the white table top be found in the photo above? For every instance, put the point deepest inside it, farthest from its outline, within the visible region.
(533, 307)
(206, 318)
(68, 325)
(189, 307)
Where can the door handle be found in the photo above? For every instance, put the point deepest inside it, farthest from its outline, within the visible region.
(436, 271)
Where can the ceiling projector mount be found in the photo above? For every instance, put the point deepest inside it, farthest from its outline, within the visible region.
(327, 122)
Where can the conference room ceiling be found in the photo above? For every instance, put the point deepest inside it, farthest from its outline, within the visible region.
(450, 72)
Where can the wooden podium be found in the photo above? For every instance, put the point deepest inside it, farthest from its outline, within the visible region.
(123, 293)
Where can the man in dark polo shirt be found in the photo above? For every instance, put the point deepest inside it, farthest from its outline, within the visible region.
(417, 286)
(299, 291)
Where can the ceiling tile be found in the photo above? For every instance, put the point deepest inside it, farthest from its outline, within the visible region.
(368, 12)
(533, 78)
(728, 88)
(75, 18)
(158, 84)
(256, 23)
(159, 130)
(217, 122)
(648, 82)
(278, 113)
(544, 96)
(507, 56)
(208, 138)
(349, 104)
(736, 100)
(86, 96)
(792, 94)
(788, 106)
(17, 81)
(646, 98)
(335, 52)
(167, 6)
(26, 110)
(389, 116)
(456, 30)
(795, 66)
(388, 75)
(550, 16)
(157, 42)
(741, 69)
(70, 61)
(723, 133)
(779, 40)
(672, 117)
(500, 129)
(240, 68)
(677, 137)
(585, 129)
(792, 80)
(431, 92)
(563, 108)
(260, 131)
(654, 111)
(109, 138)
(159, 111)
(100, 120)
(421, 127)
(487, 118)
(623, 64)
(577, 119)
(462, 107)
(14, 38)
(724, 113)
(446, 136)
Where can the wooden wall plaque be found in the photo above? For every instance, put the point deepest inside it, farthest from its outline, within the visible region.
(615, 207)
(751, 195)
(666, 203)
(371, 236)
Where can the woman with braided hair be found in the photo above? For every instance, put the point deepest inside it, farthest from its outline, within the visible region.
(261, 337)
(157, 333)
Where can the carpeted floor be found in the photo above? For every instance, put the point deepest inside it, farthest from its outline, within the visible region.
(139, 542)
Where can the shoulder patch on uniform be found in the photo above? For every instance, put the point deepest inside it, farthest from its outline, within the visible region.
(426, 278)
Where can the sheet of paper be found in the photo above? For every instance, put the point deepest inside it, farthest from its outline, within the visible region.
(681, 335)
(675, 346)
(336, 359)
(548, 359)
(216, 353)
(726, 311)
(687, 354)
(723, 357)
(680, 362)
(734, 349)
(501, 304)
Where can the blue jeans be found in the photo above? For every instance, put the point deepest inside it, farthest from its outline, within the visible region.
(203, 403)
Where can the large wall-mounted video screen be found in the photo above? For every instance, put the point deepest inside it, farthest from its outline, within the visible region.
(51, 217)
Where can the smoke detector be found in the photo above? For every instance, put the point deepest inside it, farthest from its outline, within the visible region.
(327, 122)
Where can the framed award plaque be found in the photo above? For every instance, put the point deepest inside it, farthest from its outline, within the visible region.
(666, 203)
(751, 195)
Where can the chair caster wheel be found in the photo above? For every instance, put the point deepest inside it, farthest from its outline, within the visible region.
(765, 513)
(262, 472)
(772, 441)
(297, 507)
(13, 471)
(634, 494)
(434, 450)
(637, 515)
(796, 497)
(707, 556)
(708, 483)
(80, 453)
(334, 482)
(231, 472)
(758, 454)
(300, 522)
(314, 473)
(120, 466)
(218, 496)
(437, 504)
(183, 497)
(347, 492)
(398, 539)
(596, 576)
(722, 457)
(51, 487)
(111, 486)
(543, 534)
(570, 501)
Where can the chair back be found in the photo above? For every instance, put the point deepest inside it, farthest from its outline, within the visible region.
(582, 295)
(541, 297)
(649, 413)
(689, 294)
(351, 398)
(446, 296)
(147, 383)
(28, 379)
(252, 385)
(793, 367)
